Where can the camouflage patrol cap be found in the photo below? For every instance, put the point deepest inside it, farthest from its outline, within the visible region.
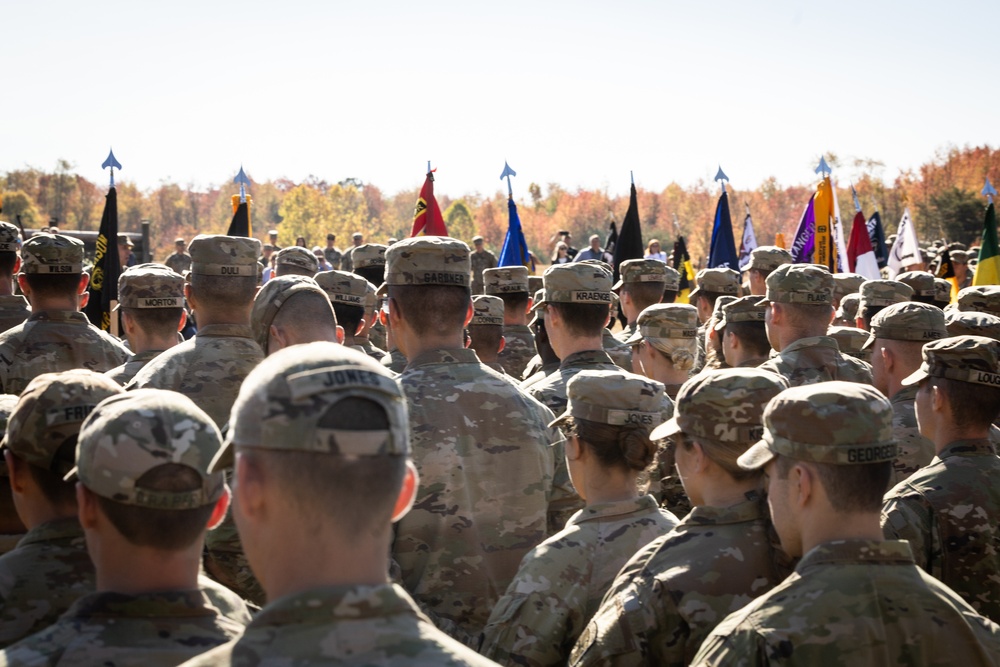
(576, 282)
(283, 401)
(506, 280)
(971, 323)
(368, 254)
(272, 296)
(538, 312)
(721, 302)
(881, 293)
(852, 341)
(838, 423)
(298, 257)
(7, 404)
(981, 298)
(974, 359)
(723, 406)
(768, 258)
(665, 320)
(132, 434)
(942, 290)
(799, 284)
(477, 238)
(849, 307)
(487, 309)
(150, 286)
(922, 282)
(10, 237)
(744, 309)
(428, 260)
(52, 254)
(535, 283)
(345, 288)
(910, 320)
(846, 283)
(218, 255)
(641, 271)
(615, 398)
(959, 256)
(717, 281)
(50, 411)
(672, 279)
(371, 296)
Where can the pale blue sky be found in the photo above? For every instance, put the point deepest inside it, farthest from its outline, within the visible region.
(577, 93)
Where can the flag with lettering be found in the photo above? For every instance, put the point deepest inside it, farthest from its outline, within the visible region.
(805, 235)
(823, 252)
(877, 235)
(682, 264)
(905, 251)
(427, 218)
(103, 288)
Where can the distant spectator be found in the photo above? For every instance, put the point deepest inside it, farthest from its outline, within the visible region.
(653, 251)
(595, 251)
(323, 265)
(561, 255)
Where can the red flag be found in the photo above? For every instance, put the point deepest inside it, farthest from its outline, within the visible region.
(860, 254)
(427, 216)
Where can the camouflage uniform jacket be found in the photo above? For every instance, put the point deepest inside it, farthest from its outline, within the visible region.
(817, 359)
(51, 341)
(145, 630)
(484, 453)
(949, 512)
(179, 262)
(539, 375)
(341, 625)
(333, 256)
(552, 390)
(752, 363)
(9, 542)
(627, 332)
(671, 594)
(123, 374)
(518, 349)
(562, 581)
(39, 580)
(346, 260)
(620, 353)
(480, 261)
(208, 368)
(365, 345)
(378, 336)
(13, 311)
(856, 603)
(915, 451)
(532, 367)
(394, 361)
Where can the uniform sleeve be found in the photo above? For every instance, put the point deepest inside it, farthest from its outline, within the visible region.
(909, 518)
(732, 647)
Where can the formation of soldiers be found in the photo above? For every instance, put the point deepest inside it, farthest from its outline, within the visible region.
(376, 464)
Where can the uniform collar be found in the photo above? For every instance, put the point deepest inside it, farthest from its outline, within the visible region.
(68, 316)
(326, 604)
(851, 552)
(162, 604)
(812, 341)
(50, 531)
(444, 356)
(586, 359)
(616, 508)
(226, 330)
(904, 395)
(750, 509)
(973, 447)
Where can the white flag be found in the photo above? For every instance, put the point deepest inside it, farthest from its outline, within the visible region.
(906, 250)
(838, 234)
(748, 243)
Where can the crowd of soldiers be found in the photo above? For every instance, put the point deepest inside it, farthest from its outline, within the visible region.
(404, 454)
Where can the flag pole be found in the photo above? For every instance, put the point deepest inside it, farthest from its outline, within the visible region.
(242, 179)
(111, 163)
(989, 190)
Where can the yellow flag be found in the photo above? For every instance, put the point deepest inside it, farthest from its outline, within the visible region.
(823, 253)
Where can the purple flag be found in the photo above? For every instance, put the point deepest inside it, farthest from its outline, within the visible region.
(805, 235)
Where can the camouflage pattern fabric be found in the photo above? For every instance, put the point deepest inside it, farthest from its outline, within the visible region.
(149, 629)
(226, 563)
(551, 391)
(620, 353)
(179, 262)
(481, 261)
(518, 349)
(341, 625)
(675, 590)
(484, 453)
(857, 603)
(229, 604)
(562, 581)
(755, 362)
(39, 580)
(915, 451)
(377, 335)
(365, 345)
(123, 374)
(14, 310)
(626, 333)
(51, 341)
(534, 365)
(817, 359)
(949, 512)
(333, 257)
(395, 361)
(543, 372)
(208, 368)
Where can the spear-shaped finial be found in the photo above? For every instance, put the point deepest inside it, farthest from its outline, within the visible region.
(823, 169)
(113, 164)
(507, 173)
(721, 176)
(857, 204)
(989, 190)
(242, 179)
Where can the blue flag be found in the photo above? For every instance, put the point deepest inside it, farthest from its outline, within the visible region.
(723, 253)
(515, 248)
(877, 235)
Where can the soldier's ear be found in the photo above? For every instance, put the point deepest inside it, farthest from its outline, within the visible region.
(340, 334)
(219, 511)
(407, 493)
(361, 326)
(469, 313)
(84, 283)
(531, 302)
(87, 509)
(183, 320)
(503, 344)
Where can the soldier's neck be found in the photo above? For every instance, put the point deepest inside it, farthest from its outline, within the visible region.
(6, 285)
(126, 568)
(413, 347)
(828, 526)
(312, 562)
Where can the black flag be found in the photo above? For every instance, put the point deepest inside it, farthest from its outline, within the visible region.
(682, 264)
(103, 288)
(240, 226)
(612, 240)
(629, 245)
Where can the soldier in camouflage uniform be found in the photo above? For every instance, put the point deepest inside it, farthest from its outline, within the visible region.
(942, 292)
(922, 284)
(672, 593)
(847, 314)
(352, 299)
(854, 599)
(576, 300)
(482, 447)
(546, 361)
(57, 337)
(714, 355)
(292, 310)
(743, 333)
(480, 259)
(11, 527)
(295, 261)
(852, 342)
(798, 314)
(49, 568)
(321, 438)
(898, 333)
(641, 285)
(368, 261)
(619, 352)
(510, 283)
(13, 307)
(980, 298)
(949, 510)
(971, 323)
(486, 330)
(711, 284)
(180, 260)
(763, 260)
(845, 284)
(372, 320)
(876, 295)
(332, 253)
(146, 500)
(561, 582)
(151, 297)
(960, 260)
